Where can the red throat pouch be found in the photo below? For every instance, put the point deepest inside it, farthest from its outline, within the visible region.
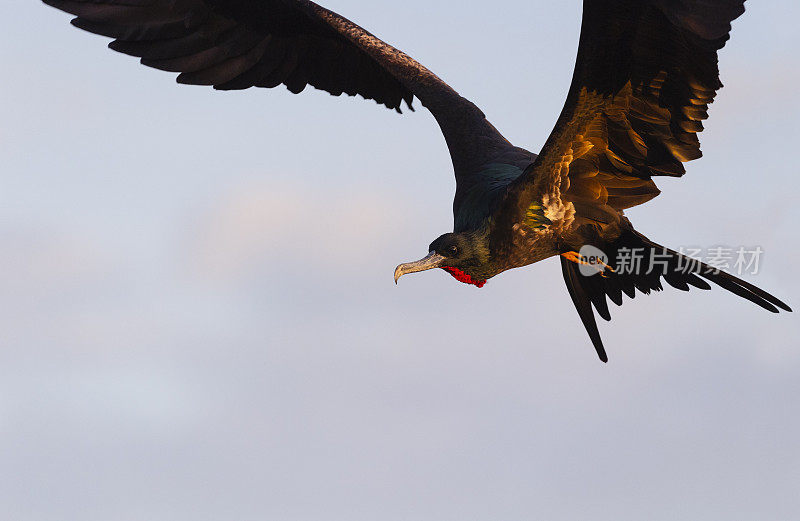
(463, 277)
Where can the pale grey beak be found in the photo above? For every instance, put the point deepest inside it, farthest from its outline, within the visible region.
(432, 260)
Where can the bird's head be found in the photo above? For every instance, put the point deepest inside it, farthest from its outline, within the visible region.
(464, 255)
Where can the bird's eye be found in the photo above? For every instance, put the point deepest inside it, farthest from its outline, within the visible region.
(453, 250)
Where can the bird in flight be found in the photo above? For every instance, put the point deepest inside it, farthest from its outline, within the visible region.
(645, 74)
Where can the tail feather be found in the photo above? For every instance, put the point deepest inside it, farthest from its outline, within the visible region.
(676, 269)
(583, 304)
(724, 280)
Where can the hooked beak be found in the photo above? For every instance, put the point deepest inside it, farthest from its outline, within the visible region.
(432, 260)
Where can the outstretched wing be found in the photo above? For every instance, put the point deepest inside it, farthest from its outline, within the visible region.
(237, 44)
(645, 75)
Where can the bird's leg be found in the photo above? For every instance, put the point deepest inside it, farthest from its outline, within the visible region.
(573, 256)
(576, 257)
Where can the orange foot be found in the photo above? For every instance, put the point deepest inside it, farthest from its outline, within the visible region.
(575, 257)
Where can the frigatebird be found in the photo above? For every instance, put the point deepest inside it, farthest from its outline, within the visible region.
(645, 74)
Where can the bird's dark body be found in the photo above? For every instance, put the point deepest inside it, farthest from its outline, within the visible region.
(645, 74)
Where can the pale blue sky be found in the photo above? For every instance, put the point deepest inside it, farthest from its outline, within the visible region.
(198, 320)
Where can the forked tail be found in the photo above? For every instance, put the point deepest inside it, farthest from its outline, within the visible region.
(633, 262)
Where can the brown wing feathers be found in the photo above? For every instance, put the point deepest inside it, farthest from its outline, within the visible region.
(645, 75)
(237, 45)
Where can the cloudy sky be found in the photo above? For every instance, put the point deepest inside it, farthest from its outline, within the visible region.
(198, 320)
